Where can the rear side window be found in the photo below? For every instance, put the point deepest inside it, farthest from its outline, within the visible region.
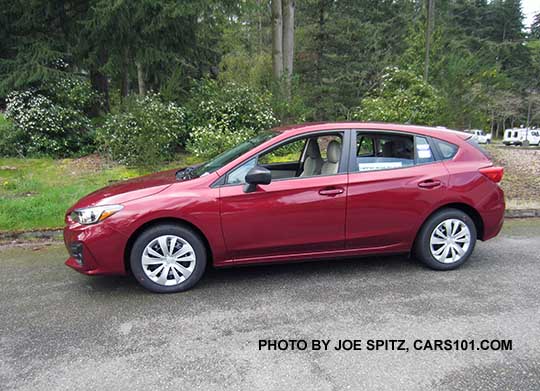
(447, 150)
(384, 151)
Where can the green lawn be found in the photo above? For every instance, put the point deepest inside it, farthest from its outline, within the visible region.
(3, 120)
(35, 193)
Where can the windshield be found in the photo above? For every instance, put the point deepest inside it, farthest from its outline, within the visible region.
(228, 156)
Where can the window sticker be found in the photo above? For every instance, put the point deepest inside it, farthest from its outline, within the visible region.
(378, 166)
(424, 154)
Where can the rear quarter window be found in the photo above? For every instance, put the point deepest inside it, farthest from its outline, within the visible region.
(447, 150)
(477, 146)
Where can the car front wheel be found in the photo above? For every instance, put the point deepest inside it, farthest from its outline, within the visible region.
(168, 258)
(446, 240)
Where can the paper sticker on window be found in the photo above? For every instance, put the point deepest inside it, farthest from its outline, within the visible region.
(424, 154)
(422, 147)
(378, 166)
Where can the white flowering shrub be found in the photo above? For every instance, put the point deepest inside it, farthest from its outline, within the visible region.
(74, 92)
(209, 141)
(146, 132)
(225, 115)
(43, 127)
(401, 97)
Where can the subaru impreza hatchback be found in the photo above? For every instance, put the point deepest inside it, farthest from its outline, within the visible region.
(314, 191)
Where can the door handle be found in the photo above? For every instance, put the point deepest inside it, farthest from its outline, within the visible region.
(331, 192)
(429, 183)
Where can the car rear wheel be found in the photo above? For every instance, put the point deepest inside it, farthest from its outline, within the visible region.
(168, 258)
(446, 240)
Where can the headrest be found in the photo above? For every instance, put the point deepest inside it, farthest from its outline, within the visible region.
(313, 150)
(333, 151)
(388, 149)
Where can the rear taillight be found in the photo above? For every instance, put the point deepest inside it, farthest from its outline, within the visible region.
(493, 173)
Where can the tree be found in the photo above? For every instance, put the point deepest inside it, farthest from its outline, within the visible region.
(343, 48)
(401, 97)
(430, 16)
(277, 40)
(283, 43)
(535, 27)
(288, 43)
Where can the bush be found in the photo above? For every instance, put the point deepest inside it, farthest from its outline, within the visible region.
(225, 115)
(9, 137)
(402, 97)
(146, 132)
(75, 93)
(43, 127)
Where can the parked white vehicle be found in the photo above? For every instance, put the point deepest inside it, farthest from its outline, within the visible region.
(480, 136)
(517, 136)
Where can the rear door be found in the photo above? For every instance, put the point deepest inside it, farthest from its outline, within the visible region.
(394, 180)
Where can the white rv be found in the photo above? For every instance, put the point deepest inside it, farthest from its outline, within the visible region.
(517, 136)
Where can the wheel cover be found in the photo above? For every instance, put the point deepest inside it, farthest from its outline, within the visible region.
(450, 241)
(168, 260)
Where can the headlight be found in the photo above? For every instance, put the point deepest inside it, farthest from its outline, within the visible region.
(94, 214)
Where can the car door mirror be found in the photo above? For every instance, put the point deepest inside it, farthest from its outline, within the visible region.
(258, 175)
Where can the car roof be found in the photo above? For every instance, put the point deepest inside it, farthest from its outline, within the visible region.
(372, 126)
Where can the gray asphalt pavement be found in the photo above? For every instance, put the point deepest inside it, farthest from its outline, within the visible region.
(65, 331)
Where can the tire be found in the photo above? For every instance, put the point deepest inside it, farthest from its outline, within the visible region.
(184, 258)
(430, 244)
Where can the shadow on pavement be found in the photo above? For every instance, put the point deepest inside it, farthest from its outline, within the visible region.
(278, 273)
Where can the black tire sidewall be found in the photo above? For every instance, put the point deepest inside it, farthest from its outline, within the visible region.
(167, 229)
(422, 245)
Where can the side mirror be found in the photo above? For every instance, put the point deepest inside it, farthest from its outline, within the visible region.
(257, 176)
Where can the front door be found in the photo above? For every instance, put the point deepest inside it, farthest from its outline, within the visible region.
(302, 213)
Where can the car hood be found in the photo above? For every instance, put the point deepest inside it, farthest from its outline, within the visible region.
(128, 190)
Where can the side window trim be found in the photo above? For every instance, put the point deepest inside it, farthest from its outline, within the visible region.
(344, 163)
(434, 153)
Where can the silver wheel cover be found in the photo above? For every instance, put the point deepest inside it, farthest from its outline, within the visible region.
(450, 240)
(168, 260)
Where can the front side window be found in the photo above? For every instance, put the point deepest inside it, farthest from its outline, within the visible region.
(313, 155)
(288, 153)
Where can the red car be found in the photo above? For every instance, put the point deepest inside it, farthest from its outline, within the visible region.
(303, 192)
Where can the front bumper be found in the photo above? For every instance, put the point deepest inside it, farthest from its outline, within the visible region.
(95, 249)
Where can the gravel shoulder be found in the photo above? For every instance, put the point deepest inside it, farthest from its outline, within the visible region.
(521, 182)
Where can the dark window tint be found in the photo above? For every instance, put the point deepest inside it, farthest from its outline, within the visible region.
(448, 151)
(366, 146)
(383, 152)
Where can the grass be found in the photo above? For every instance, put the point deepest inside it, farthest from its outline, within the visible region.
(35, 193)
(3, 119)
